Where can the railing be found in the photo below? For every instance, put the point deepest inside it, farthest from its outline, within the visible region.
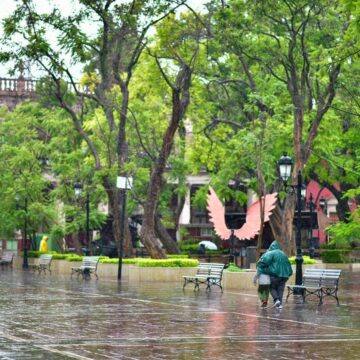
(20, 85)
(28, 86)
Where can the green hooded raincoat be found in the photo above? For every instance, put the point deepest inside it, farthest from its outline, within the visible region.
(275, 262)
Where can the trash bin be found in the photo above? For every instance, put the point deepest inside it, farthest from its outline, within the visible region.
(250, 255)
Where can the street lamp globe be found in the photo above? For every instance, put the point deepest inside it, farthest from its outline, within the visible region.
(78, 188)
(303, 191)
(285, 166)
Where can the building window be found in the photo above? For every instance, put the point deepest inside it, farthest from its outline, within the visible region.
(206, 232)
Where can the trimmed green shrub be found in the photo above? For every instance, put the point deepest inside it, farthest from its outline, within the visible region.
(335, 255)
(307, 260)
(60, 256)
(233, 268)
(36, 253)
(173, 260)
(107, 260)
(147, 262)
(74, 257)
(167, 262)
(177, 256)
(189, 248)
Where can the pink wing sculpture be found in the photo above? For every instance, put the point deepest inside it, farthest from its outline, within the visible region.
(251, 228)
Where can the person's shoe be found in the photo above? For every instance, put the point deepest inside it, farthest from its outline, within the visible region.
(264, 304)
(277, 303)
(280, 306)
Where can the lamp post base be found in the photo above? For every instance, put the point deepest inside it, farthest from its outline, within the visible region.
(298, 276)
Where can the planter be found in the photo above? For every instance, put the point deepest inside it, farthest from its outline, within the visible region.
(134, 274)
(159, 274)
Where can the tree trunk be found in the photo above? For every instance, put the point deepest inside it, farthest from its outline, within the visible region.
(281, 222)
(76, 242)
(170, 245)
(180, 101)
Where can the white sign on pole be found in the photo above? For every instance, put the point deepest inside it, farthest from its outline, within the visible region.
(124, 182)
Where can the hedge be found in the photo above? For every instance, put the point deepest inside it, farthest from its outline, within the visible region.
(233, 268)
(177, 256)
(335, 256)
(167, 262)
(172, 261)
(307, 260)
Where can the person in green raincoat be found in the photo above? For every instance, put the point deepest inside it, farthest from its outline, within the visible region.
(276, 264)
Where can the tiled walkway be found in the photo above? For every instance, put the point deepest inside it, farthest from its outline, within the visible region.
(49, 317)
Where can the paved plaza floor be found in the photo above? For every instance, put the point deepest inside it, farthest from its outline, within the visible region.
(50, 317)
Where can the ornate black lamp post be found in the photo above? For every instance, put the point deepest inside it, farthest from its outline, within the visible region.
(78, 189)
(123, 183)
(25, 244)
(285, 165)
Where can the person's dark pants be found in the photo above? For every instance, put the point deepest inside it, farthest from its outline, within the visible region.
(277, 287)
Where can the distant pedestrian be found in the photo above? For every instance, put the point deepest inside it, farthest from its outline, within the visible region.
(202, 250)
(43, 244)
(263, 281)
(276, 264)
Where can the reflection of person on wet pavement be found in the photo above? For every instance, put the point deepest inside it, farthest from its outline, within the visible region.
(276, 264)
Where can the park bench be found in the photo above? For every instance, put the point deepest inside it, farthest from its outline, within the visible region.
(206, 273)
(7, 258)
(43, 264)
(89, 266)
(318, 282)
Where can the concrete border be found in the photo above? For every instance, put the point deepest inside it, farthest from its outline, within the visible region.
(133, 273)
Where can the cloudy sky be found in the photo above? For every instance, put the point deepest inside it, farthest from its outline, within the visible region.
(67, 7)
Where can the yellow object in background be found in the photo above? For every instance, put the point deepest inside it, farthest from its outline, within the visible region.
(43, 244)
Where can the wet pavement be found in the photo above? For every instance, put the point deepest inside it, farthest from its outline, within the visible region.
(50, 317)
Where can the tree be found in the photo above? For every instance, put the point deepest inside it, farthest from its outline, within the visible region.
(109, 59)
(25, 191)
(177, 51)
(294, 49)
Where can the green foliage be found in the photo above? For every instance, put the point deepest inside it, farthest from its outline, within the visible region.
(36, 254)
(177, 256)
(61, 256)
(335, 256)
(146, 262)
(74, 257)
(108, 260)
(192, 248)
(307, 260)
(131, 261)
(346, 234)
(21, 176)
(167, 263)
(233, 268)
